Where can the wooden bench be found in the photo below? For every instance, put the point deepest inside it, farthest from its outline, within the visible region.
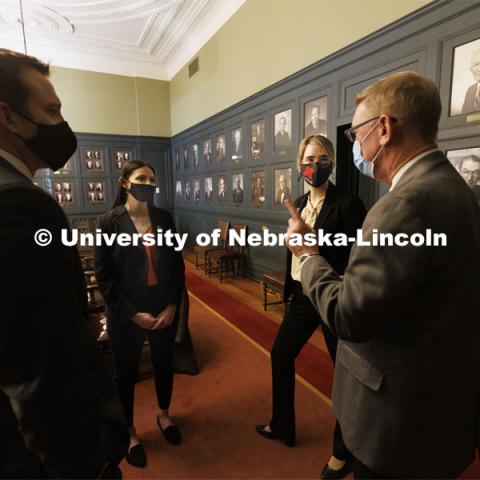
(273, 283)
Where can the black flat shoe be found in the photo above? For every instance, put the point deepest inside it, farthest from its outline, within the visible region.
(172, 433)
(289, 442)
(136, 456)
(331, 474)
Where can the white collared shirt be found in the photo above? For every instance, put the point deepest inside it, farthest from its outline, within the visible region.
(16, 163)
(408, 165)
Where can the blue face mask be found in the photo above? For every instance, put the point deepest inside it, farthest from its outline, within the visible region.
(363, 166)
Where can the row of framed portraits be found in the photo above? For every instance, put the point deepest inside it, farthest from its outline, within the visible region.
(241, 188)
(238, 188)
(94, 161)
(235, 147)
(74, 192)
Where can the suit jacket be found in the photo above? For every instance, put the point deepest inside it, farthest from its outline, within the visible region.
(320, 130)
(59, 413)
(121, 272)
(282, 139)
(238, 195)
(469, 101)
(407, 376)
(287, 195)
(340, 213)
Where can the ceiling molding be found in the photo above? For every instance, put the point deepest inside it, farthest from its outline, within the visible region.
(147, 38)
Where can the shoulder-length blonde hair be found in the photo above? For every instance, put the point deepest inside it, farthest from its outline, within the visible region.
(319, 140)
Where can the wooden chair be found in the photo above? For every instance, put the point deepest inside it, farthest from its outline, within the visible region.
(273, 283)
(231, 258)
(203, 252)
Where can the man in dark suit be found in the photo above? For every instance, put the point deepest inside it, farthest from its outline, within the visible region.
(283, 192)
(469, 169)
(208, 189)
(471, 102)
(407, 376)
(282, 137)
(317, 125)
(222, 191)
(237, 190)
(59, 413)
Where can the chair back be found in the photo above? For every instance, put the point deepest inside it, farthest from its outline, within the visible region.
(223, 226)
(239, 228)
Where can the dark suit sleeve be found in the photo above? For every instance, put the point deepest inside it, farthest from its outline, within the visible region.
(379, 283)
(47, 353)
(108, 280)
(178, 267)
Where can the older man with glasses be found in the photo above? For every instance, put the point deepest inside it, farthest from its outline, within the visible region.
(407, 376)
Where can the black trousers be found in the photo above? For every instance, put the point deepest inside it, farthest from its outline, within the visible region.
(299, 323)
(127, 342)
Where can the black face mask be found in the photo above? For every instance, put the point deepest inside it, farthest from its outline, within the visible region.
(142, 191)
(54, 144)
(317, 174)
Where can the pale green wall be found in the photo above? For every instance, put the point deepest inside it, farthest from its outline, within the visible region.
(102, 103)
(267, 40)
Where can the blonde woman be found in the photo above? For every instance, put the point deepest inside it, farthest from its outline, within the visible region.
(323, 207)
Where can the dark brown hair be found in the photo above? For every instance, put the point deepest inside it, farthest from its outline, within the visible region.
(127, 170)
(13, 68)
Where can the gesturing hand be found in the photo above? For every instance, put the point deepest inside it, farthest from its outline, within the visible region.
(165, 317)
(297, 226)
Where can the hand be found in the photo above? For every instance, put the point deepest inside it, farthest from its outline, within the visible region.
(297, 226)
(165, 317)
(144, 320)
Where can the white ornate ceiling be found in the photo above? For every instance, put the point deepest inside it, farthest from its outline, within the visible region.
(144, 38)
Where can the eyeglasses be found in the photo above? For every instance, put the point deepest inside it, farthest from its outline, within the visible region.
(351, 132)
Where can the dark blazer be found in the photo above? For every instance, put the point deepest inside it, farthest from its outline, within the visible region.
(469, 101)
(121, 272)
(340, 213)
(56, 399)
(407, 377)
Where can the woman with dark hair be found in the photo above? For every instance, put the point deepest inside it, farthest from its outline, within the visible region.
(142, 287)
(323, 207)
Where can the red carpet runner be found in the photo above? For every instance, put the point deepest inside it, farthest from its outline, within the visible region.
(313, 364)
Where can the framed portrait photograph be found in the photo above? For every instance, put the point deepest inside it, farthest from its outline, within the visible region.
(315, 117)
(185, 157)
(222, 188)
(207, 152)
(121, 157)
(188, 190)
(465, 87)
(257, 139)
(237, 151)
(258, 187)
(95, 192)
(208, 186)
(467, 163)
(283, 185)
(64, 193)
(93, 161)
(177, 160)
(178, 190)
(282, 131)
(195, 156)
(196, 190)
(237, 187)
(220, 148)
